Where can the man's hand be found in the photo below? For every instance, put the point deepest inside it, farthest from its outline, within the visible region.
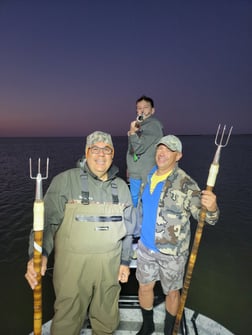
(31, 273)
(208, 200)
(124, 272)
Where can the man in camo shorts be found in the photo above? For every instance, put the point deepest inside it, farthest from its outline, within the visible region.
(169, 198)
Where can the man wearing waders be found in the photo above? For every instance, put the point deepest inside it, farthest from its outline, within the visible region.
(89, 221)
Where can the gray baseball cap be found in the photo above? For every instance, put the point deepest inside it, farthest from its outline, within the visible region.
(172, 142)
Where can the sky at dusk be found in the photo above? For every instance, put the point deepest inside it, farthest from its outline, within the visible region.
(68, 68)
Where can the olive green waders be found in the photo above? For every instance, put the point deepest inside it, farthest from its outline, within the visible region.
(87, 260)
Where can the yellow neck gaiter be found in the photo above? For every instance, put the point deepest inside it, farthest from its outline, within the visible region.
(156, 179)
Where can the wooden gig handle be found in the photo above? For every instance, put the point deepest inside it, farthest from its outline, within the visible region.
(38, 226)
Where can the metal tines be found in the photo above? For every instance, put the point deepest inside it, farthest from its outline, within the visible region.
(39, 178)
(219, 141)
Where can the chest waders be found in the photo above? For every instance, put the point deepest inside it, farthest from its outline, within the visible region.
(87, 260)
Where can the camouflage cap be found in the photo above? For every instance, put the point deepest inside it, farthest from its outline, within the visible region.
(99, 136)
(172, 142)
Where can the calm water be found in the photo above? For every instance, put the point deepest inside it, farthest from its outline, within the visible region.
(220, 287)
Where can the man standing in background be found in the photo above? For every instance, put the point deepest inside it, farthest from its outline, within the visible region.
(143, 136)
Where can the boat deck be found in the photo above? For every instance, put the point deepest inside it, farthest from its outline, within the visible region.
(131, 318)
(131, 323)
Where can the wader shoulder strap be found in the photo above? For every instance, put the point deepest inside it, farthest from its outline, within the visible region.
(85, 192)
(114, 192)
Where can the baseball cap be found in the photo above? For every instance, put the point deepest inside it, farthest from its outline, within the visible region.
(172, 142)
(99, 136)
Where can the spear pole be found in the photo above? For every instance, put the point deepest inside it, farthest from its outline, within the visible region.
(38, 227)
(213, 172)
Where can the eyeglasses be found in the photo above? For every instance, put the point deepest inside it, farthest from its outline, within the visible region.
(97, 150)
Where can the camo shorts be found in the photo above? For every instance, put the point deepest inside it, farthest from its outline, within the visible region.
(153, 266)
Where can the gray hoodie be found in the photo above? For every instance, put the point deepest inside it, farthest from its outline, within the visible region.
(143, 145)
